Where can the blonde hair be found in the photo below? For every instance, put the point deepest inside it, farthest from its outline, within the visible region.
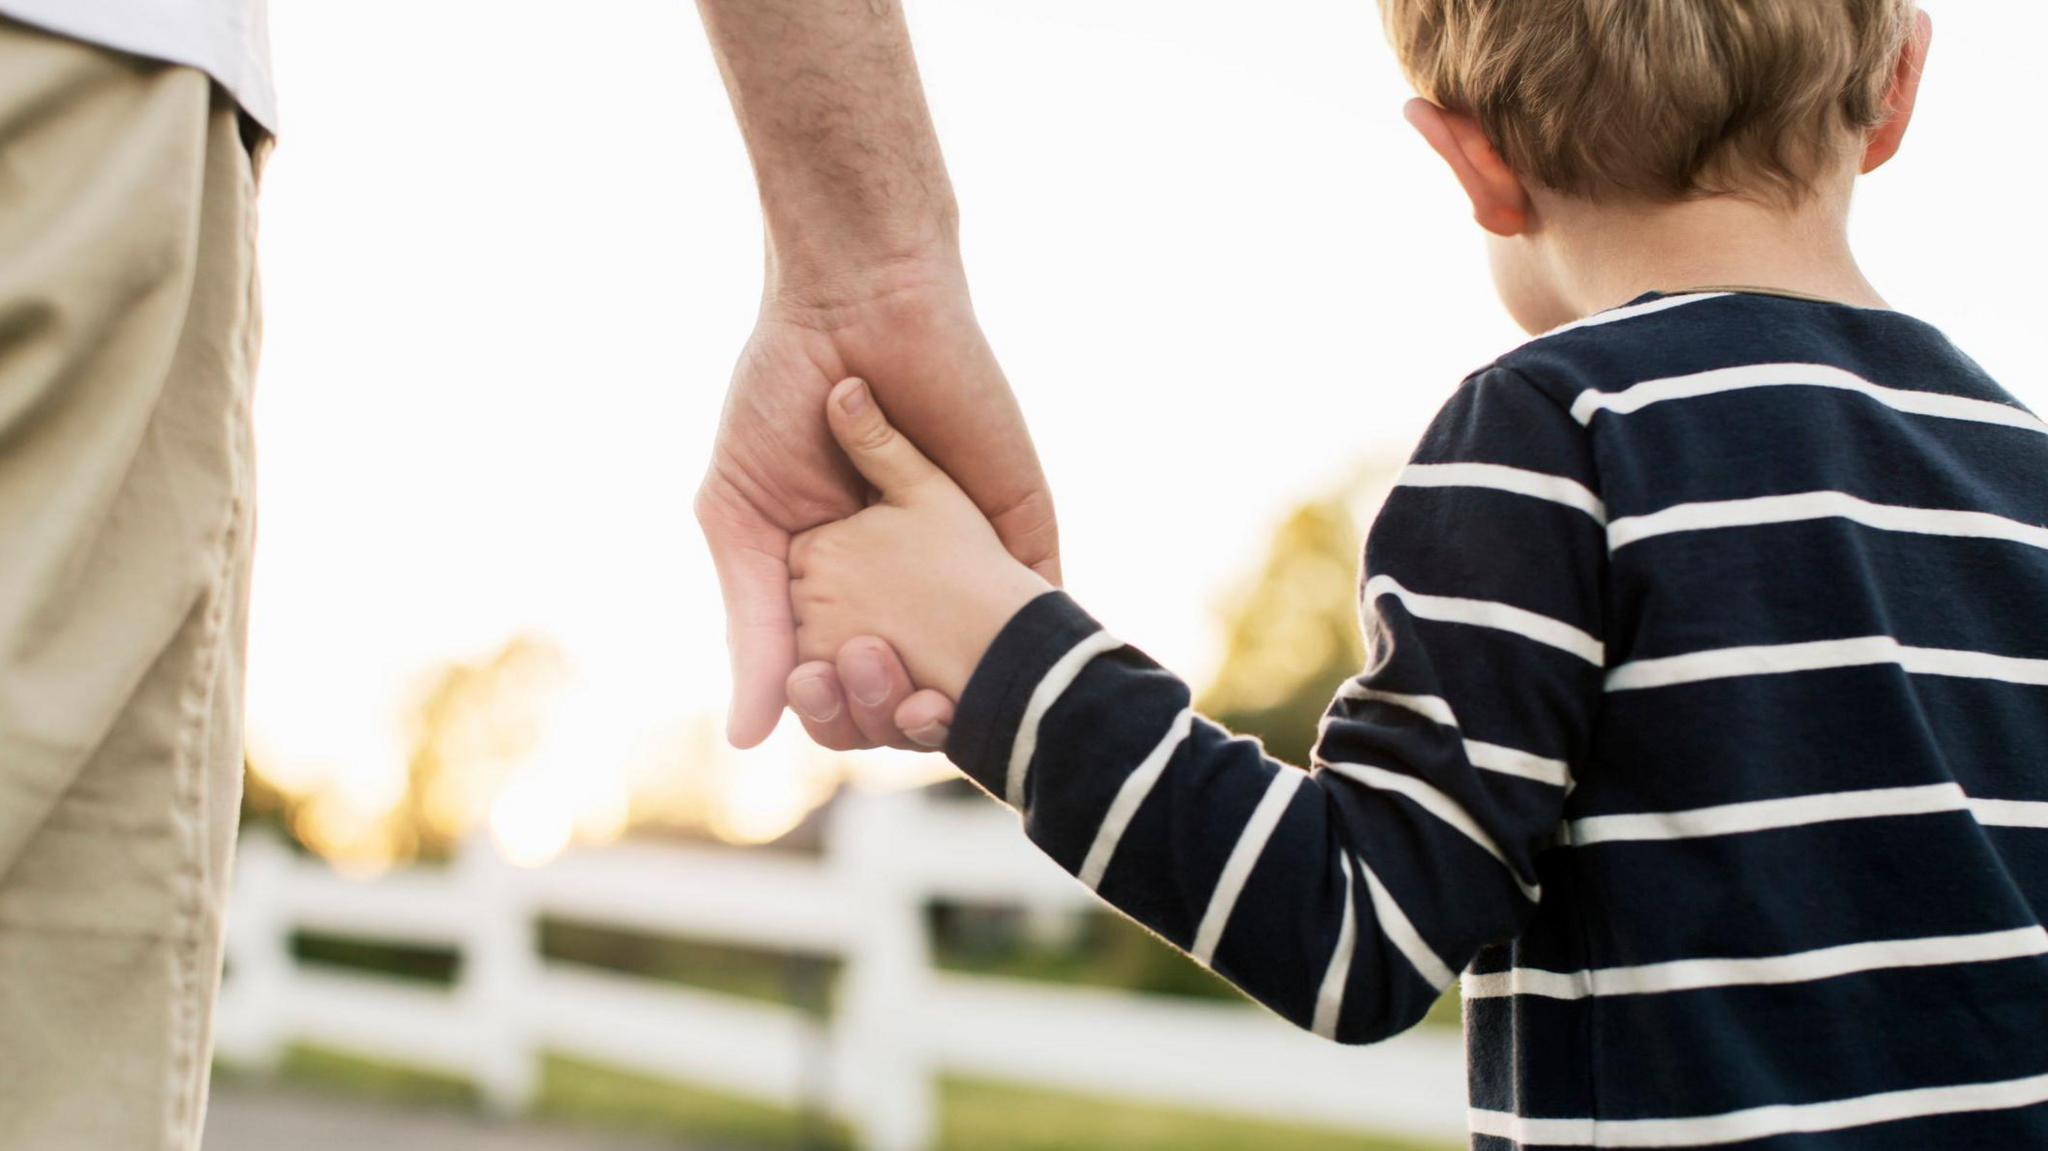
(1666, 99)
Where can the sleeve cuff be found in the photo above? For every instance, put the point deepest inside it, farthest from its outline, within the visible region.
(987, 715)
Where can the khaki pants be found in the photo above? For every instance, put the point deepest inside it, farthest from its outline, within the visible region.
(128, 334)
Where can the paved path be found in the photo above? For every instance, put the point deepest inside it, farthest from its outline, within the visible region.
(256, 1118)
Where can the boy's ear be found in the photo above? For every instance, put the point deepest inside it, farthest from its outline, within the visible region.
(1499, 201)
(1903, 95)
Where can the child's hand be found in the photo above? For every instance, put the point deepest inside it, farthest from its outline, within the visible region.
(920, 568)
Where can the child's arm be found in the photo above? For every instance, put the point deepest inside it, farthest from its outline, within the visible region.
(1345, 898)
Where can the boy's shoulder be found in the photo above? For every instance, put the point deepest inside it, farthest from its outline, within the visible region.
(1653, 336)
(1719, 339)
(1649, 335)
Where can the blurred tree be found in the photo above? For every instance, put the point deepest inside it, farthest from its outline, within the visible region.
(1292, 635)
(473, 725)
(264, 803)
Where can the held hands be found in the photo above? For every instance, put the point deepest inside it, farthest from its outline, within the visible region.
(920, 569)
(776, 471)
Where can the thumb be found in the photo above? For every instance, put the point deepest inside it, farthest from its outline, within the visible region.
(882, 454)
(751, 558)
(761, 637)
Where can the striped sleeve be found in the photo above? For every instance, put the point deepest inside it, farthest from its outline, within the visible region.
(1344, 897)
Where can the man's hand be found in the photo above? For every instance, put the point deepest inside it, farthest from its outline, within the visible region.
(776, 471)
(863, 278)
(921, 568)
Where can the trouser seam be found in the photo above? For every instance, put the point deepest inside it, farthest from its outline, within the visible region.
(188, 986)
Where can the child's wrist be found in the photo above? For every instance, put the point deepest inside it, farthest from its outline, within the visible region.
(974, 631)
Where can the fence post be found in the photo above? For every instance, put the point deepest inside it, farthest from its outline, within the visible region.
(251, 1016)
(500, 976)
(881, 1073)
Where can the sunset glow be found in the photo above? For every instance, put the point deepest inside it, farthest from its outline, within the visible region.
(498, 334)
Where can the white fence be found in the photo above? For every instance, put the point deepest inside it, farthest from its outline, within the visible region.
(898, 1023)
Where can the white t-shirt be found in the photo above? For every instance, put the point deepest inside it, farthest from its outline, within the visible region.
(227, 39)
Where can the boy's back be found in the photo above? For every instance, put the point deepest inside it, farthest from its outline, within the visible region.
(1702, 739)
(1805, 852)
(1710, 680)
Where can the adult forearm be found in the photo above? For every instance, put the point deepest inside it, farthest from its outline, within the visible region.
(851, 179)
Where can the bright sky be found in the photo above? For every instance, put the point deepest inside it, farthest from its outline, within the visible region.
(511, 250)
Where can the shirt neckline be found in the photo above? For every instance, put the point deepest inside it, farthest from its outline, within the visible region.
(1750, 290)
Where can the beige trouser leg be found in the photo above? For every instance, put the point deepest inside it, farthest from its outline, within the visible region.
(128, 332)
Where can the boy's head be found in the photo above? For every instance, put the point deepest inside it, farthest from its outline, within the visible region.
(1656, 101)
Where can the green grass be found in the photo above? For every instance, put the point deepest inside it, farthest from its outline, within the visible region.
(974, 1115)
(980, 1116)
(1110, 951)
(393, 1084)
(573, 1091)
(1447, 1012)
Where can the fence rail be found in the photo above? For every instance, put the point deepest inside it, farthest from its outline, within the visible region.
(897, 1023)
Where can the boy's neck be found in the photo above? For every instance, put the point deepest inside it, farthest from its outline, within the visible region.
(1604, 255)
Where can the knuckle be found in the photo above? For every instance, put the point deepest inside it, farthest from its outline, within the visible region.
(708, 507)
(873, 646)
(811, 592)
(811, 547)
(815, 643)
(1028, 527)
(720, 501)
(813, 558)
(875, 436)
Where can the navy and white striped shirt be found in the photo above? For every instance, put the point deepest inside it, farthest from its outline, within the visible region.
(1709, 741)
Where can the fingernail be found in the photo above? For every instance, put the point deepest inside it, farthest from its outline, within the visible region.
(854, 400)
(867, 681)
(815, 699)
(930, 735)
